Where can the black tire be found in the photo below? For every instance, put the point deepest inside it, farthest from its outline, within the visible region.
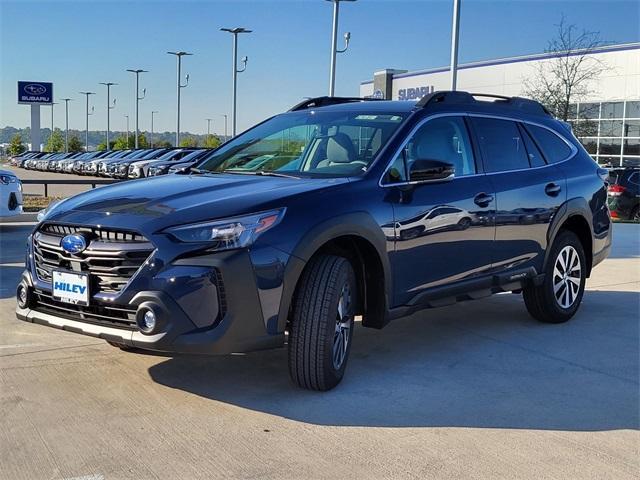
(635, 214)
(315, 324)
(546, 305)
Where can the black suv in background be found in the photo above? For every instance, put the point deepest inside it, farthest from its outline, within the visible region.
(339, 207)
(624, 193)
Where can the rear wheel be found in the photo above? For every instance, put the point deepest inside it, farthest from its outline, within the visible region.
(635, 214)
(322, 323)
(559, 296)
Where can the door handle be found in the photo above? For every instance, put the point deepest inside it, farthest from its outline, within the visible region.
(483, 199)
(552, 189)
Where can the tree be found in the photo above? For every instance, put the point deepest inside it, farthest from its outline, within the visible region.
(55, 143)
(211, 141)
(189, 142)
(75, 144)
(16, 147)
(568, 76)
(122, 144)
(164, 144)
(103, 145)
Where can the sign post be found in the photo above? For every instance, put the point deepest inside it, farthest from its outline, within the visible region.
(35, 94)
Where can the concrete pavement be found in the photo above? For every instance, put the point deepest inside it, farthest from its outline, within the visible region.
(476, 390)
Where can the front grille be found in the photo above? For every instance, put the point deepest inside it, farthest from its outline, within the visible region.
(97, 314)
(111, 258)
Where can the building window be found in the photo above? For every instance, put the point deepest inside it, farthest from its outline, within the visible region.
(613, 110)
(609, 131)
(631, 146)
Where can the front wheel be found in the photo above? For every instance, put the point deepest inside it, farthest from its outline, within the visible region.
(322, 323)
(559, 296)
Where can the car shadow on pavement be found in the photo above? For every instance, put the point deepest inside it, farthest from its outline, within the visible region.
(476, 364)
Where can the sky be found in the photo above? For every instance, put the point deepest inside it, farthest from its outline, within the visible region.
(77, 44)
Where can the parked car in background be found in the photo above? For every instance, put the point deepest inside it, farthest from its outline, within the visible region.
(97, 165)
(121, 168)
(111, 165)
(140, 168)
(623, 193)
(163, 167)
(10, 194)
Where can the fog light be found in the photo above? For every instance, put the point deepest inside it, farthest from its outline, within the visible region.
(147, 321)
(22, 296)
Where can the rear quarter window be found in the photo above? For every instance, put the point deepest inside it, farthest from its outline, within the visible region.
(553, 147)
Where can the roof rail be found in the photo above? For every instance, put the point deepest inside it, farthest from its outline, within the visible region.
(452, 97)
(324, 101)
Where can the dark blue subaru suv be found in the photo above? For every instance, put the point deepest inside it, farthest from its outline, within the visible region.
(339, 207)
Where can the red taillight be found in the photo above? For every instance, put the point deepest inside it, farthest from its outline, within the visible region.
(615, 190)
(614, 214)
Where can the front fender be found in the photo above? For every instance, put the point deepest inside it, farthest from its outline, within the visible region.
(358, 224)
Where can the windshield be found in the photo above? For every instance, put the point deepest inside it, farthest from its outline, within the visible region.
(308, 143)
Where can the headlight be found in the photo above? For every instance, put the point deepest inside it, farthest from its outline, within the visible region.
(7, 179)
(230, 233)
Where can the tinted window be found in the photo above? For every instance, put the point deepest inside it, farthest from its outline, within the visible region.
(553, 147)
(444, 139)
(535, 157)
(501, 144)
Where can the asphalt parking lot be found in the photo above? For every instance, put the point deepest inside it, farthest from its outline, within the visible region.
(476, 390)
(54, 190)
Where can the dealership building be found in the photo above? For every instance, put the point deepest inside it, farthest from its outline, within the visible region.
(607, 121)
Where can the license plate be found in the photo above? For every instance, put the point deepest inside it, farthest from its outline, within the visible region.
(71, 287)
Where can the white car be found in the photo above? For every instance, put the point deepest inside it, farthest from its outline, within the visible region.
(10, 194)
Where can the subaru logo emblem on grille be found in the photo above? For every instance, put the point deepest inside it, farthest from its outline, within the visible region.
(74, 243)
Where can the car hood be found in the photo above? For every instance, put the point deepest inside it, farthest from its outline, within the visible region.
(157, 202)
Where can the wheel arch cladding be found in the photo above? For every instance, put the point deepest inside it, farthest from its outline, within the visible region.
(574, 216)
(578, 224)
(359, 238)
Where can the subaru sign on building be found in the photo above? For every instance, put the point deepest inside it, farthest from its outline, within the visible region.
(35, 93)
(606, 119)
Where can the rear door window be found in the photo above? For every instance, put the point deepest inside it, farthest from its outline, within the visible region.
(553, 147)
(533, 152)
(501, 144)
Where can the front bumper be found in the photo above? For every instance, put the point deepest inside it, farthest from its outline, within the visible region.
(198, 312)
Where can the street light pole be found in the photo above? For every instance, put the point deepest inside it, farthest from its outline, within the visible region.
(455, 29)
(334, 44)
(236, 71)
(52, 104)
(109, 106)
(86, 130)
(225, 127)
(152, 113)
(127, 117)
(138, 98)
(66, 129)
(179, 56)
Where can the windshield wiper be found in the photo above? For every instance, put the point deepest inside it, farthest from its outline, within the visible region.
(199, 171)
(271, 173)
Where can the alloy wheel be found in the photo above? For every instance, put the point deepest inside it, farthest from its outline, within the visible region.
(344, 319)
(567, 277)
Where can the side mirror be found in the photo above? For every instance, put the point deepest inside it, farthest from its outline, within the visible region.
(427, 170)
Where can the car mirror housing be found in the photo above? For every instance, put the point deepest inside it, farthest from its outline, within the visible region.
(430, 170)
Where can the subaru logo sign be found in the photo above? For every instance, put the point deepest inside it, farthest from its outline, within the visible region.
(34, 89)
(31, 93)
(74, 243)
